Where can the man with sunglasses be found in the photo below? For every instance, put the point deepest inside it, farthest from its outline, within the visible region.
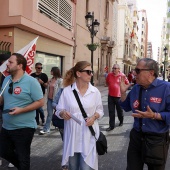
(149, 101)
(113, 83)
(42, 79)
(21, 96)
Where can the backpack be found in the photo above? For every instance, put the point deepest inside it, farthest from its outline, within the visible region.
(57, 122)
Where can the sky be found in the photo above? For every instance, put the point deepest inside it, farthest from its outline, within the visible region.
(156, 10)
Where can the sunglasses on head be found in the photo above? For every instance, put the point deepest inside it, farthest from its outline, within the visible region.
(10, 90)
(39, 68)
(138, 70)
(89, 72)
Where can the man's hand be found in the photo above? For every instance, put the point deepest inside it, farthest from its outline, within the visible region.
(40, 81)
(124, 87)
(15, 111)
(147, 114)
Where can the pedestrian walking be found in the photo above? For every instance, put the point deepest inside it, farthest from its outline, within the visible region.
(106, 69)
(130, 77)
(21, 97)
(149, 100)
(113, 82)
(43, 80)
(54, 85)
(79, 148)
(160, 77)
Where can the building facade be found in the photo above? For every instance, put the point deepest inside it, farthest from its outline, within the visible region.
(149, 50)
(62, 32)
(143, 32)
(22, 21)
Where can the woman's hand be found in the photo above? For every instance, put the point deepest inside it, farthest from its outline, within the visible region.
(90, 121)
(65, 115)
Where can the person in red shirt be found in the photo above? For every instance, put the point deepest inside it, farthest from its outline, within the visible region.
(130, 77)
(113, 82)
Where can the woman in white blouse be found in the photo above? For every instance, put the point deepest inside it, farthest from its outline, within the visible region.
(79, 148)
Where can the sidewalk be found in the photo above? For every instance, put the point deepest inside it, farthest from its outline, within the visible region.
(46, 151)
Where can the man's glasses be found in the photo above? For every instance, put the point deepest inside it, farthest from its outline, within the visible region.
(10, 90)
(114, 68)
(89, 72)
(39, 68)
(138, 70)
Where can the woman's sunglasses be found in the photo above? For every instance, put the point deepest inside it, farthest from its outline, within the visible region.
(89, 72)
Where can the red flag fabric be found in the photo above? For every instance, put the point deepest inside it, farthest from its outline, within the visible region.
(28, 52)
(132, 34)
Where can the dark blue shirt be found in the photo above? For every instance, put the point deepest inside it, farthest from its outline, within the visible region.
(157, 97)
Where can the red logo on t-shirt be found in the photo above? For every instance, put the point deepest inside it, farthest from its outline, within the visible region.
(136, 104)
(155, 100)
(17, 90)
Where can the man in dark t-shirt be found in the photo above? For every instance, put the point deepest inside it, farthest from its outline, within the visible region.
(43, 80)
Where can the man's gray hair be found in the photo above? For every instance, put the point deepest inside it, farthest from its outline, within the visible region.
(151, 64)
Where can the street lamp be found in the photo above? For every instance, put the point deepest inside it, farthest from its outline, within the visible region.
(165, 53)
(93, 26)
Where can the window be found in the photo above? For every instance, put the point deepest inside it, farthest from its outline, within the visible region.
(107, 10)
(48, 61)
(59, 11)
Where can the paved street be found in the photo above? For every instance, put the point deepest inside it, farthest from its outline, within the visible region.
(46, 151)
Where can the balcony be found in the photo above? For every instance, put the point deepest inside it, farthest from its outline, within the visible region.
(127, 36)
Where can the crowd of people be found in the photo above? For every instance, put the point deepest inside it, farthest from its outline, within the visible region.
(142, 91)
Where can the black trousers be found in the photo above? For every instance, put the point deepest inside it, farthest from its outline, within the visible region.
(134, 153)
(113, 102)
(15, 146)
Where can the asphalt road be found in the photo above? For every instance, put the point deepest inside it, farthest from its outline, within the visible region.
(46, 150)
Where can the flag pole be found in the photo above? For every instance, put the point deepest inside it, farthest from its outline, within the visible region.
(4, 87)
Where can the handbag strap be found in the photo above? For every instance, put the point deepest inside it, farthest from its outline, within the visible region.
(140, 108)
(83, 111)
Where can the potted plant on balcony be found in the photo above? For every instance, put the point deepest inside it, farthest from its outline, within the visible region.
(92, 47)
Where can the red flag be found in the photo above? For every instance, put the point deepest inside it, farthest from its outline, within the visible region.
(132, 34)
(28, 52)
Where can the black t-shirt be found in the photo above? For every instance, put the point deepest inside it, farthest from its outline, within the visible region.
(43, 77)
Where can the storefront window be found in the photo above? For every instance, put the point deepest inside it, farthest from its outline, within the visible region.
(48, 61)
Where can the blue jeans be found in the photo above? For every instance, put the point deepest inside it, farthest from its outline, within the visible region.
(49, 115)
(15, 146)
(40, 112)
(76, 162)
